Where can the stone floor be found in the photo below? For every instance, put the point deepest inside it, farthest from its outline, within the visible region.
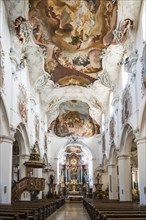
(70, 211)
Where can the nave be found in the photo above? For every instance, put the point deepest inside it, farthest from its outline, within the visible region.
(70, 211)
(72, 104)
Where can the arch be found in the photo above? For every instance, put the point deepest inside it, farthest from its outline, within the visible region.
(87, 158)
(4, 123)
(79, 143)
(21, 136)
(126, 139)
(143, 122)
(113, 154)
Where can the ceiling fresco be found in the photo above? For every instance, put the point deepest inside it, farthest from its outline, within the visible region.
(73, 51)
(74, 119)
(73, 34)
(73, 149)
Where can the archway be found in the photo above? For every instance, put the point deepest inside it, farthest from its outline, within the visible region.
(5, 155)
(127, 147)
(113, 173)
(4, 125)
(21, 152)
(141, 149)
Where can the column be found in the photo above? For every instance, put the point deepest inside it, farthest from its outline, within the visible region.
(38, 173)
(141, 149)
(112, 177)
(23, 159)
(125, 178)
(5, 169)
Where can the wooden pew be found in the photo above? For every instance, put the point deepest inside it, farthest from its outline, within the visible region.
(127, 218)
(121, 215)
(96, 209)
(36, 210)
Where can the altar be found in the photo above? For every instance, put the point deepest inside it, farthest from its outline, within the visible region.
(74, 176)
(74, 189)
(73, 198)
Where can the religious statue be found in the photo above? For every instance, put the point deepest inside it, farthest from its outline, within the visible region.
(98, 178)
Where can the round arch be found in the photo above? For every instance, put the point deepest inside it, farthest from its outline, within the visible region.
(4, 125)
(85, 151)
(126, 139)
(113, 154)
(21, 136)
(143, 122)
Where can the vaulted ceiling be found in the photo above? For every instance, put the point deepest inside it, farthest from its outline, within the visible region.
(73, 51)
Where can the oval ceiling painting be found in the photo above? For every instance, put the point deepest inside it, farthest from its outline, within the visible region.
(74, 119)
(73, 34)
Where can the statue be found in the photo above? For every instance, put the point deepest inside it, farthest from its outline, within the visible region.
(98, 178)
(51, 179)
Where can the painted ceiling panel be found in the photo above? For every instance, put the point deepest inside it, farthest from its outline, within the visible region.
(74, 120)
(73, 34)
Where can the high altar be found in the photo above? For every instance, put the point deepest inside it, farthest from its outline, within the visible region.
(74, 175)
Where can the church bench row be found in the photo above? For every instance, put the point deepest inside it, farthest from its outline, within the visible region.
(97, 210)
(127, 218)
(36, 210)
(121, 215)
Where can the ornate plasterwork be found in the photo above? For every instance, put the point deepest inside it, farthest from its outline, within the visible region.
(143, 72)
(18, 60)
(22, 103)
(2, 68)
(103, 143)
(105, 80)
(112, 128)
(120, 34)
(126, 105)
(130, 64)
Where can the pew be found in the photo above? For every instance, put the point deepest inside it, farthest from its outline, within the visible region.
(121, 215)
(36, 210)
(127, 218)
(106, 210)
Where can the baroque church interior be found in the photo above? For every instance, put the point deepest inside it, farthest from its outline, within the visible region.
(73, 100)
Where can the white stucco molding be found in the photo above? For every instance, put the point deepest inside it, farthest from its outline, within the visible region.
(123, 156)
(6, 139)
(141, 140)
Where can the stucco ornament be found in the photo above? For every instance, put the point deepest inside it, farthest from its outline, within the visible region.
(130, 63)
(2, 68)
(143, 72)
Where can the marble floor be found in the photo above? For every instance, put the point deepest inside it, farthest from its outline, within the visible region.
(70, 211)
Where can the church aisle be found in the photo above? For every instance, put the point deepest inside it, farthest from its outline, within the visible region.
(70, 211)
